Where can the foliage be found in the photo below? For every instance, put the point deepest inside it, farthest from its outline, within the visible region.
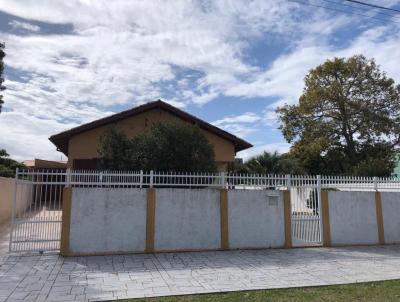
(347, 120)
(270, 163)
(2, 55)
(115, 151)
(168, 146)
(8, 165)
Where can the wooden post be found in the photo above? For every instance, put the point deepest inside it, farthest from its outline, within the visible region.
(326, 225)
(287, 209)
(379, 218)
(66, 221)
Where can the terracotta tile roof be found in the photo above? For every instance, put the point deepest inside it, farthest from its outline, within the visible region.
(61, 140)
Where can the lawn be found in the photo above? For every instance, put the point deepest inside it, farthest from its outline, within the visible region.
(368, 292)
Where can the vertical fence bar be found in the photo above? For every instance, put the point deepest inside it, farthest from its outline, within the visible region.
(223, 179)
(288, 182)
(13, 209)
(375, 183)
(68, 178)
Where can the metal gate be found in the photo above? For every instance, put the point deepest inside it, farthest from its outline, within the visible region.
(306, 214)
(36, 211)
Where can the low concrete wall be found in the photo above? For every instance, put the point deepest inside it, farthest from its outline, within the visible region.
(187, 219)
(6, 198)
(107, 220)
(256, 219)
(104, 221)
(391, 216)
(352, 218)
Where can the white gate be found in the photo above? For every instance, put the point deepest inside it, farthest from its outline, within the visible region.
(305, 199)
(37, 204)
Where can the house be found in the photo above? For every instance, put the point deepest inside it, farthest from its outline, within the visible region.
(45, 164)
(80, 144)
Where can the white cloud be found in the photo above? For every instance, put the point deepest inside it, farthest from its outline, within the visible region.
(24, 25)
(257, 150)
(284, 78)
(240, 125)
(270, 117)
(125, 53)
(25, 137)
(248, 117)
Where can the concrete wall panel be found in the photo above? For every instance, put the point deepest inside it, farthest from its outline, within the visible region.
(391, 216)
(353, 218)
(108, 220)
(256, 219)
(187, 219)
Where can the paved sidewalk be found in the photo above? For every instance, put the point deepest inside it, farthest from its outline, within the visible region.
(53, 278)
(5, 229)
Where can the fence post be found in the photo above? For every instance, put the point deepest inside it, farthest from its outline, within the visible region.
(288, 182)
(68, 178)
(375, 183)
(223, 179)
(319, 204)
(151, 178)
(13, 209)
(141, 179)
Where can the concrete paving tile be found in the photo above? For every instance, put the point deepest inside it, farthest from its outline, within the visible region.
(44, 278)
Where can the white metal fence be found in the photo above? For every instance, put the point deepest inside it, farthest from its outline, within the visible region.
(38, 227)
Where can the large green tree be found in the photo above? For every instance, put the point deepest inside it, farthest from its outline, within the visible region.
(8, 165)
(2, 55)
(167, 146)
(347, 120)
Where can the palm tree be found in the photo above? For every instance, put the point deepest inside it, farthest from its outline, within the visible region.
(266, 163)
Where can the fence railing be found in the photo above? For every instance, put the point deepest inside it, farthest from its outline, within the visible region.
(141, 179)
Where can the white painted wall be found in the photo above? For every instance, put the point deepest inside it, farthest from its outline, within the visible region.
(108, 220)
(256, 219)
(391, 216)
(187, 219)
(353, 218)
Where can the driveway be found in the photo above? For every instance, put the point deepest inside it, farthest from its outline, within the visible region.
(53, 278)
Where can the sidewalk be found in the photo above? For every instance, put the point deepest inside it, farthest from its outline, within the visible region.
(53, 278)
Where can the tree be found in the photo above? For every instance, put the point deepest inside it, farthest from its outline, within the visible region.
(168, 146)
(8, 165)
(348, 118)
(270, 163)
(2, 55)
(115, 151)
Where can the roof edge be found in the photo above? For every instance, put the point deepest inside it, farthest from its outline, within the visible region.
(60, 140)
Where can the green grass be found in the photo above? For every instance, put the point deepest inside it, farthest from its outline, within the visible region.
(369, 292)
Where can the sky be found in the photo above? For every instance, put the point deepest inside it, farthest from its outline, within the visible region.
(230, 63)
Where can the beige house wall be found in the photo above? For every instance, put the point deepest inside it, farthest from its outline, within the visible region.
(6, 199)
(85, 144)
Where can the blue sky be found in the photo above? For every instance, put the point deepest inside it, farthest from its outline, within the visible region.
(230, 63)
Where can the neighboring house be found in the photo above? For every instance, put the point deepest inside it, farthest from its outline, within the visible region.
(80, 144)
(45, 164)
